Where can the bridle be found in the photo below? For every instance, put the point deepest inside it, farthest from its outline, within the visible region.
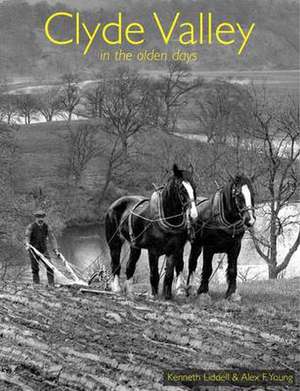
(236, 192)
(184, 203)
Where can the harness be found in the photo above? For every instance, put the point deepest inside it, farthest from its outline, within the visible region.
(158, 217)
(133, 213)
(218, 220)
(163, 222)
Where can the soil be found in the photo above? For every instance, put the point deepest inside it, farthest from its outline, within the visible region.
(62, 339)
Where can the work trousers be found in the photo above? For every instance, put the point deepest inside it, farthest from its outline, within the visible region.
(35, 267)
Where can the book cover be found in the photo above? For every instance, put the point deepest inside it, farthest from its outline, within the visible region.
(149, 216)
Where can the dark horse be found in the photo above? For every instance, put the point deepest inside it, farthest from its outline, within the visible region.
(158, 224)
(220, 227)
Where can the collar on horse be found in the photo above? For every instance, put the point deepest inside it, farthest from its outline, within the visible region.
(157, 216)
(218, 219)
(162, 220)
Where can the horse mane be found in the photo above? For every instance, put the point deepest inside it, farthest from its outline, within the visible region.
(171, 200)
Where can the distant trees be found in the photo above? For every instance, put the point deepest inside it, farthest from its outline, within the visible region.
(58, 100)
(221, 114)
(276, 130)
(128, 106)
(93, 100)
(172, 90)
(84, 145)
(221, 111)
(8, 108)
(27, 107)
(248, 131)
(70, 94)
(50, 103)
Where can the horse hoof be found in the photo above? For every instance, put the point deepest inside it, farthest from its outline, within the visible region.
(204, 298)
(115, 285)
(181, 292)
(235, 298)
(167, 296)
(128, 290)
(192, 291)
(152, 296)
(115, 289)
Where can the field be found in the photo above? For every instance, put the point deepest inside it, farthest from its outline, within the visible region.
(61, 339)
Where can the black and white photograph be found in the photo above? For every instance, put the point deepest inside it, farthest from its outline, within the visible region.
(149, 195)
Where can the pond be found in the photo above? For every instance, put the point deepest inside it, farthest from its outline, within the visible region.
(81, 245)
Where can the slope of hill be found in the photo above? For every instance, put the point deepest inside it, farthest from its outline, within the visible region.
(43, 160)
(274, 44)
(59, 339)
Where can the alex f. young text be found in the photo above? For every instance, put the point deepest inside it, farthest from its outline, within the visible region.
(117, 32)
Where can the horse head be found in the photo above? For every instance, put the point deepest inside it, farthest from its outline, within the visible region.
(242, 196)
(185, 190)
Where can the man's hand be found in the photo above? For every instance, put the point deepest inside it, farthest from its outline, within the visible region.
(27, 246)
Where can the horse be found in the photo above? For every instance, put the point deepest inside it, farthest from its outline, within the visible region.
(159, 224)
(220, 227)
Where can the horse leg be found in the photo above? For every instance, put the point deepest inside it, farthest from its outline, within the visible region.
(232, 273)
(167, 287)
(130, 268)
(206, 270)
(154, 275)
(193, 258)
(180, 285)
(115, 243)
(115, 252)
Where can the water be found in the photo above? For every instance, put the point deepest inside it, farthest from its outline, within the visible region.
(81, 245)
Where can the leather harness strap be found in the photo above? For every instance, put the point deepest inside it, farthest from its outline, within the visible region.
(163, 221)
(217, 218)
(158, 217)
(131, 214)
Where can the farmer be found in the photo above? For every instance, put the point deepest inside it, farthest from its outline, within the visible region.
(36, 235)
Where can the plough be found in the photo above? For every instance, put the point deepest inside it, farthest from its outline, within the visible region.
(73, 278)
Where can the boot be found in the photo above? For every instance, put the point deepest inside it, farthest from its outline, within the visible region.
(50, 276)
(35, 278)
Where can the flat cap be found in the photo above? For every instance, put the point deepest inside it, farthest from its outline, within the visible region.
(39, 213)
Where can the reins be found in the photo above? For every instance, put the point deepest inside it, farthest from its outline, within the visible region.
(223, 224)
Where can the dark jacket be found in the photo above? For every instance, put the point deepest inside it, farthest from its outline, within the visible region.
(38, 236)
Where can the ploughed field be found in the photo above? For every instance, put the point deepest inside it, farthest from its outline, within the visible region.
(61, 339)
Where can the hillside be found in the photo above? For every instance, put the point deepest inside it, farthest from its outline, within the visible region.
(60, 339)
(43, 153)
(25, 50)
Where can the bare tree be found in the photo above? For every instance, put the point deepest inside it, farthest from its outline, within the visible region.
(93, 100)
(27, 107)
(70, 94)
(84, 145)
(128, 106)
(116, 166)
(276, 129)
(49, 103)
(8, 108)
(172, 89)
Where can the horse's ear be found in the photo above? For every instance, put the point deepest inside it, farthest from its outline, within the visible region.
(253, 178)
(191, 169)
(238, 179)
(177, 172)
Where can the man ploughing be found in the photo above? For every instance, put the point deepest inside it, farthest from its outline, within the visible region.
(38, 234)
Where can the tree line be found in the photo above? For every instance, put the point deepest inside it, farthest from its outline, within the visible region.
(241, 129)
